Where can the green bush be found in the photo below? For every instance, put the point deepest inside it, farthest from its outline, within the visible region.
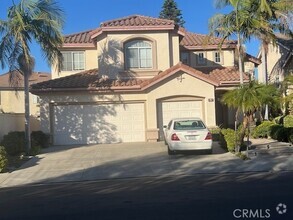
(215, 133)
(280, 133)
(39, 138)
(290, 135)
(229, 138)
(14, 142)
(35, 149)
(288, 121)
(263, 130)
(3, 159)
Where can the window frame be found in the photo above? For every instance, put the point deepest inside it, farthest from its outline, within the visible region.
(202, 61)
(220, 57)
(72, 61)
(188, 57)
(139, 49)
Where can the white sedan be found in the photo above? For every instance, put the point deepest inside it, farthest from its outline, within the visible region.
(187, 134)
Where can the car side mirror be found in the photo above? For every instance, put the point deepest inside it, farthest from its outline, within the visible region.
(165, 126)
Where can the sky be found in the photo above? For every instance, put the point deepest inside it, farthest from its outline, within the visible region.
(88, 14)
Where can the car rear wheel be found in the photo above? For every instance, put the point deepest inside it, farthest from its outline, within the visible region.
(171, 152)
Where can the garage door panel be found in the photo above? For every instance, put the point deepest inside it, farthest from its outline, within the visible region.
(178, 109)
(90, 124)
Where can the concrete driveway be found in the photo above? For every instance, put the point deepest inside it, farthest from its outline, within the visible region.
(83, 163)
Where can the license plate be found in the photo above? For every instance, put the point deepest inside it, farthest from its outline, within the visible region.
(191, 137)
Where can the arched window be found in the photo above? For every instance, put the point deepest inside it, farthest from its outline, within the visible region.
(138, 54)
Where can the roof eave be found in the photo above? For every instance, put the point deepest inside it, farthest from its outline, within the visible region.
(203, 47)
(78, 45)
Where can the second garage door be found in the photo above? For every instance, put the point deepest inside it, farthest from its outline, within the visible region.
(178, 109)
(91, 124)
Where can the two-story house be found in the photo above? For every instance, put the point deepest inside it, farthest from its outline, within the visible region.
(279, 60)
(125, 80)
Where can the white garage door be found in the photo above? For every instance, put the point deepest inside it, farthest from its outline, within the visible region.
(178, 109)
(91, 124)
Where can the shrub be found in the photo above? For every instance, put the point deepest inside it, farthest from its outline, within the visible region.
(3, 159)
(230, 139)
(35, 149)
(288, 121)
(280, 133)
(39, 138)
(14, 142)
(263, 130)
(290, 135)
(215, 133)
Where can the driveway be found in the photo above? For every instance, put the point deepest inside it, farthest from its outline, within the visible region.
(84, 163)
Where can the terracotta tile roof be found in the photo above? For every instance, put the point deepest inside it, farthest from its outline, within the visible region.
(88, 80)
(180, 67)
(36, 77)
(81, 39)
(91, 80)
(137, 21)
(225, 75)
(198, 41)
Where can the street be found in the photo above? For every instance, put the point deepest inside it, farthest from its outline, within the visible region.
(200, 196)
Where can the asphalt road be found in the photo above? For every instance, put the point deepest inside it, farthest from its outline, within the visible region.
(229, 196)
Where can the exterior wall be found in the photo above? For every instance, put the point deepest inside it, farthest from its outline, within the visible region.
(15, 122)
(12, 102)
(91, 62)
(189, 86)
(109, 54)
(227, 57)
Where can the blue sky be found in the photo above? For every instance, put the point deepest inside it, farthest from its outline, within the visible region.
(88, 14)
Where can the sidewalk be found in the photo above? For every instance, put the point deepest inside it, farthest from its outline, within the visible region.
(83, 163)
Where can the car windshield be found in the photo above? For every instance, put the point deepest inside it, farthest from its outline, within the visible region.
(188, 125)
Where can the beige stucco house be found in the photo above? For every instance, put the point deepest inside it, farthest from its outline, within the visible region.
(12, 96)
(126, 79)
(279, 60)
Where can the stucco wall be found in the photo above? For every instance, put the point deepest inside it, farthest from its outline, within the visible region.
(91, 62)
(109, 54)
(12, 102)
(227, 57)
(170, 87)
(15, 122)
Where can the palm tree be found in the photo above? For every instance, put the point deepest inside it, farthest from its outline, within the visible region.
(277, 14)
(30, 21)
(248, 99)
(258, 18)
(234, 23)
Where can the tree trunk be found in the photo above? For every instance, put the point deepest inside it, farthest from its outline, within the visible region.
(242, 132)
(265, 76)
(27, 114)
(240, 59)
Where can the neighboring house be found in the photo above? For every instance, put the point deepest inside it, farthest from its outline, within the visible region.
(12, 97)
(279, 60)
(12, 103)
(125, 80)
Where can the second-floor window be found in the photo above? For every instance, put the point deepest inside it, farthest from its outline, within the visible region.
(184, 57)
(73, 60)
(138, 54)
(217, 57)
(201, 60)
